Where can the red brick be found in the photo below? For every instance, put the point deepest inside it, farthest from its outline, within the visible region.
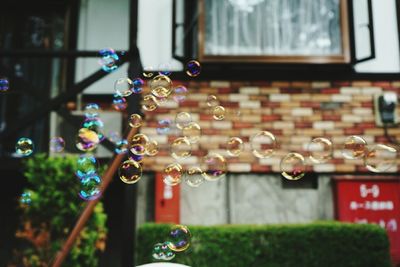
(270, 104)
(310, 104)
(353, 131)
(303, 124)
(291, 90)
(366, 125)
(367, 104)
(341, 83)
(229, 104)
(330, 91)
(225, 90)
(329, 117)
(206, 117)
(261, 83)
(298, 84)
(271, 118)
(381, 139)
(240, 125)
(260, 168)
(382, 84)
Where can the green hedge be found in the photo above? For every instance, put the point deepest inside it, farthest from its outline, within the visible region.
(330, 244)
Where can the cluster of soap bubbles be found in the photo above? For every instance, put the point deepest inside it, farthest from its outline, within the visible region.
(90, 181)
(109, 59)
(4, 84)
(178, 241)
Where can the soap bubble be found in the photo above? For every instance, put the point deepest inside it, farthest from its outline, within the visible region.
(182, 120)
(86, 165)
(57, 144)
(94, 124)
(380, 158)
(108, 60)
(123, 87)
(165, 69)
(161, 251)
(219, 113)
(91, 110)
(179, 238)
(173, 174)
(119, 102)
(181, 148)
(140, 139)
(137, 149)
(130, 172)
(137, 86)
(121, 146)
(135, 121)
(24, 147)
(148, 72)
(4, 84)
(90, 187)
(161, 86)
(151, 148)
(164, 126)
(149, 103)
(212, 101)
(192, 132)
(234, 146)
(215, 167)
(293, 166)
(263, 144)
(193, 68)
(320, 149)
(354, 147)
(180, 93)
(25, 198)
(87, 140)
(114, 136)
(194, 177)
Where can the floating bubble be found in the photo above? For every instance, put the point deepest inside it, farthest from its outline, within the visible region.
(234, 146)
(91, 110)
(161, 251)
(90, 187)
(161, 86)
(181, 148)
(263, 144)
(114, 136)
(86, 166)
(24, 147)
(151, 148)
(173, 174)
(25, 198)
(182, 120)
(165, 69)
(219, 113)
(109, 59)
(137, 86)
(119, 103)
(380, 158)
(179, 238)
(130, 172)
(215, 167)
(87, 140)
(149, 103)
(140, 139)
(293, 166)
(123, 87)
(94, 124)
(193, 68)
(137, 149)
(320, 149)
(121, 146)
(137, 158)
(180, 93)
(148, 72)
(164, 126)
(4, 84)
(194, 177)
(56, 144)
(354, 147)
(192, 132)
(135, 121)
(212, 101)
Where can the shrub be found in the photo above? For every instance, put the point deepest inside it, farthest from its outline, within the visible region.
(55, 207)
(330, 244)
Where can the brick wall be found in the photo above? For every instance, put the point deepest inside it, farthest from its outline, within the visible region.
(295, 112)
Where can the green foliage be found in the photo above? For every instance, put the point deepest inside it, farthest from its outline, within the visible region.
(330, 244)
(55, 207)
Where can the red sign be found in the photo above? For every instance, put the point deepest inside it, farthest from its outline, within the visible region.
(371, 201)
(166, 202)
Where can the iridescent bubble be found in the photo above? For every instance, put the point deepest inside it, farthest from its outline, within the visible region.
(293, 166)
(130, 172)
(140, 139)
(192, 132)
(354, 147)
(151, 148)
(179, 238)
(86, 166)
(219, 113)
(137, 149)
(24, 147)
(87, 140)
(4, 84)
(137, 158)
(182, 120)
(161, 86)
(114, 136)
(165, 69)
(135, 121)
(194, 177)
(148, 72)
(212, 101)
(234, 146)
(90, 187)
(180, 93)
(215, 167)
(320, 149)
(123, 87)
(164, 126)
(119, 103)
(57, 144)
(149, 103)
(161, 251)
(137, 86)
(94, 124)
(380, 158)
(263, 144)
(91, 110)
(181, 148)
(173, 174)
(193, 68)
(121, 146)
(25, 198)
(108, 60)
